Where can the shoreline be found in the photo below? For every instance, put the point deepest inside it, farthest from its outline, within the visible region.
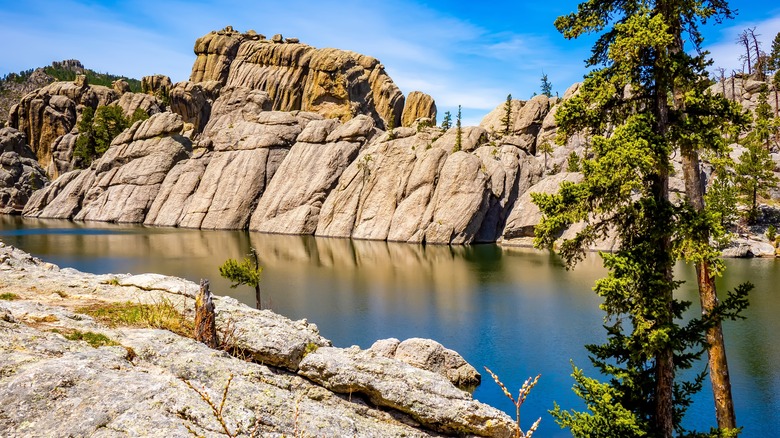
(293, 382)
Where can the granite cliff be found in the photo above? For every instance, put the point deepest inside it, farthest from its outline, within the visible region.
(277, 136)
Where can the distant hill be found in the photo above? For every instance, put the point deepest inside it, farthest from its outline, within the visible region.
(13, 86)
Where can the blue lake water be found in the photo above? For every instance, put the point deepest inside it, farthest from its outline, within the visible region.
(517, 311)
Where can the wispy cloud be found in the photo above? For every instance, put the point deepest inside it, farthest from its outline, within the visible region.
(448, 57)
(727, 53)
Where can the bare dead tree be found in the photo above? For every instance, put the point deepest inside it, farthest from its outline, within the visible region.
(722, 78)
(759, 56)
(743, 39)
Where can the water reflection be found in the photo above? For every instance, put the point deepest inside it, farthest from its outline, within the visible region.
(515, 310)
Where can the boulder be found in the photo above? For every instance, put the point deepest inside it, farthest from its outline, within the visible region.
(418, 105)
(193, 101)
(130, 102)
(156, 85)
(427, 397)
(214, 54)
(430, 355)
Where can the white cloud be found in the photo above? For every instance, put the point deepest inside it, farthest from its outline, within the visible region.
(727, 53)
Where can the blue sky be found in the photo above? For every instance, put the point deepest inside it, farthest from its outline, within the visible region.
(467, 53)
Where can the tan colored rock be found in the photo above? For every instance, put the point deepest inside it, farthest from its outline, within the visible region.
(130, 102)
(526, 121)
(193, 101)
(121, 86)
(294, 197)
(525, 214)
(63, 198)
(52, 111)
(418, 105)
(334, 83)
(471, 138)
(156, 85)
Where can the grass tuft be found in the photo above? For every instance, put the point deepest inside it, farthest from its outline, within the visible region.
(161, 314)
(8, 296)
(94, 339)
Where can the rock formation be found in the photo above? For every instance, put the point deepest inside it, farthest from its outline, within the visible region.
(20, 173)
(121, 185)
(334, 83)
(418, 105)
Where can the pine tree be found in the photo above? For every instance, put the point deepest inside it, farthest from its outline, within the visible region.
(774, 55)
(247, 272)
(755, 176)
(458, 134)
(506, 121)
(546, 86)
(447, 122)
(625, 191)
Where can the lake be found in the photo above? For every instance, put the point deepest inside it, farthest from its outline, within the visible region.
(515, 310)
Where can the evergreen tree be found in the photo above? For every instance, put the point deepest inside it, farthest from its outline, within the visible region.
(447, 122)
(546, 86)
(458, 134)
(546, 149)
(754, 174)
(247, 272)
(774, 55)
(506, 121)
(625, 191)
(96, 131)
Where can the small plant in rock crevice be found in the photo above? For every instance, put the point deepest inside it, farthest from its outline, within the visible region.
(521, 396)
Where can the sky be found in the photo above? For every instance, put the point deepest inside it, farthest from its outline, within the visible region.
(462, 53)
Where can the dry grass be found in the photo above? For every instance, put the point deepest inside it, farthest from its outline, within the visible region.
(161, 314)
(521, 396)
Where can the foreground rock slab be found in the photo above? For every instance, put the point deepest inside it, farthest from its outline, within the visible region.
(152, 382)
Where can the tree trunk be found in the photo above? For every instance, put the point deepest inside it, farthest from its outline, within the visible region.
(716, 351)
(258, 301)
(205, 317)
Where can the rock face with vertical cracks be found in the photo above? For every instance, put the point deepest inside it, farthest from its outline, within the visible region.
(122, 184)
(334, 83)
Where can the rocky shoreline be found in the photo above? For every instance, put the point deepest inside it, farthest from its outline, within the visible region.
(286, 381)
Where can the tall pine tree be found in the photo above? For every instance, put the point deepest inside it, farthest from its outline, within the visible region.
(644, 101)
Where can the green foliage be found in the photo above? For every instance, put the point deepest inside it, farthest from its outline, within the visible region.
(62, 73)
(9, 296)
(94, 339)
(246, 272)
(771, 233)
(722, 199)
(755, 176)
(546, 149)
(241, 273)
(546, 86)
(574, 162)
(96, 131)
(458, 134)
(506, 121)
(604, 402)
(446, 123)
(391, 128)
(774, 56)
(624, 193)
(161, 314)
(138, 115)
